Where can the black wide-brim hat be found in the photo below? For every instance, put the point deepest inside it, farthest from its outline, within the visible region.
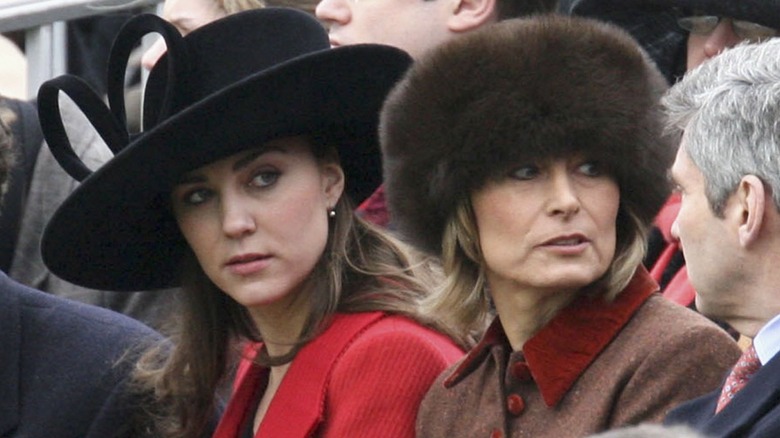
(242, 81)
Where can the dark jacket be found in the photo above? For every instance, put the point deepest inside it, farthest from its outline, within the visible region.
(64, 366)
(753, 413)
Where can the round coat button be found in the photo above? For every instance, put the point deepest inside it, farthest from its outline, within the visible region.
(515, 404)
(497, 433)
(521, 371)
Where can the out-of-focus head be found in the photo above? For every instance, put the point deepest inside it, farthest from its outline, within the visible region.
(714, 26)
(417, 25)
(520, 92)
(681, 34)
(188, 15)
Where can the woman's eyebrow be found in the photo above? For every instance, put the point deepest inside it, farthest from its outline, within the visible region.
(190, 179)
(253, 155)
(193, 177)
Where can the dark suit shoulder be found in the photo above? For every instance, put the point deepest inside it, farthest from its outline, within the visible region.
(754, 412)
(65, 365)
(76, 315)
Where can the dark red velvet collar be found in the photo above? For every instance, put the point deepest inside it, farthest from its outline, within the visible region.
(561, 351)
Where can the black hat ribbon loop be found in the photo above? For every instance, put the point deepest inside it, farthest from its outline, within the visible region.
(93, 108)
(124, 44)
(110, 122)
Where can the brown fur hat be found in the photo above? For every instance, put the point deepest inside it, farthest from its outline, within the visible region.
(516, 91)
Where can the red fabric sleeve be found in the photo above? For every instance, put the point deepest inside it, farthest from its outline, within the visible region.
(379, 382)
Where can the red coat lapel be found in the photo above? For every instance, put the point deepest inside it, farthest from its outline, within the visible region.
(298, 406)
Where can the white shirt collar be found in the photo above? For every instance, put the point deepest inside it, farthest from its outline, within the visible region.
(767, 341)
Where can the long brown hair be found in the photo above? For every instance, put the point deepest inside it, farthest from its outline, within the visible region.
(363, 268)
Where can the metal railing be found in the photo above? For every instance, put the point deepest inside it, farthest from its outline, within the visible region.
(45, 32)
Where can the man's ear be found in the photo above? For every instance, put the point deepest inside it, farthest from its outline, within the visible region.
(750, 202)
(468, 15)
(332, 182)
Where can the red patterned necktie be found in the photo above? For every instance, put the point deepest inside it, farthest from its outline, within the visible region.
(747, 365)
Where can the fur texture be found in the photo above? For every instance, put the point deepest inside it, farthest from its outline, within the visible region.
(520, 90)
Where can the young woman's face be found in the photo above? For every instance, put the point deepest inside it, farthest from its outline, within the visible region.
(257, 221)
(547, 226)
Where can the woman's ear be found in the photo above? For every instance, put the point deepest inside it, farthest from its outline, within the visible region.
(332, 182)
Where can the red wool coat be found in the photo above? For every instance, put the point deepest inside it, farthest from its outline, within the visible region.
(594, 366)
(364, 376)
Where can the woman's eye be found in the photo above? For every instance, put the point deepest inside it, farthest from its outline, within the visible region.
(591, 168)
(525, 172)
(265, 178)
(196, 197)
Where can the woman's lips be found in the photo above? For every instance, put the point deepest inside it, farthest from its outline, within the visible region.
(566, 245)
(248, 264)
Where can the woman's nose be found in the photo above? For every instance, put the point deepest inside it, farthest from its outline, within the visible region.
(563, 195)
(237, 220)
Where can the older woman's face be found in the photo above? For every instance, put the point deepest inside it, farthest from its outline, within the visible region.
(257, 221)
(547, 226)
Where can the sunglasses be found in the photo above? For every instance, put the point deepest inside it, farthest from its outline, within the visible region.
(705, 24)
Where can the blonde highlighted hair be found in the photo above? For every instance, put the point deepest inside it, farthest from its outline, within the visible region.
(462, 300)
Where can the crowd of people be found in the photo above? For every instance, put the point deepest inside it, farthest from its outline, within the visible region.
(400, 218)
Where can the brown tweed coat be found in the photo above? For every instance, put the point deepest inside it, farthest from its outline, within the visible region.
(595, 366)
